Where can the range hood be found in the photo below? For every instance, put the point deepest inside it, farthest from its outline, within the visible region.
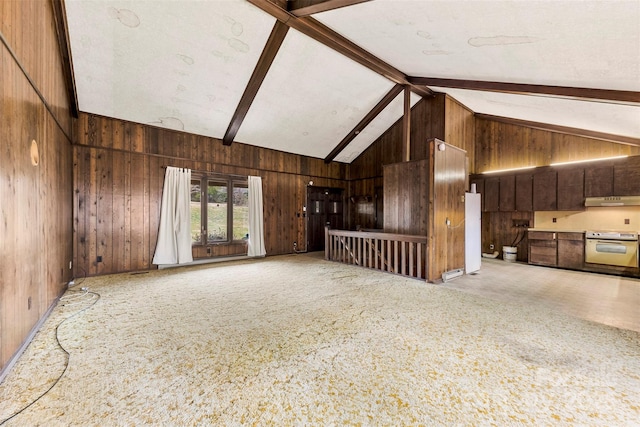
(612, 201)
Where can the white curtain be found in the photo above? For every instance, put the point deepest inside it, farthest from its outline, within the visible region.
(256, 218)
(174, 235)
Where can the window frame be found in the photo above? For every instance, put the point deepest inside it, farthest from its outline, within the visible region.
(220, 180)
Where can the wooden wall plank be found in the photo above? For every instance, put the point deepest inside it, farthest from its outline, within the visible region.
(460, 128)
(36, 200)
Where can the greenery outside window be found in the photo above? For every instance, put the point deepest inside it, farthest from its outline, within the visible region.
(219, 210)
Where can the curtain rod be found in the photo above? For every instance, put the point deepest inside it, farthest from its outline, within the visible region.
(210, 173)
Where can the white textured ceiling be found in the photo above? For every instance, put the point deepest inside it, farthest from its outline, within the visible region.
(184, 64)
(311, 99)
(592, 44)
(614, 119)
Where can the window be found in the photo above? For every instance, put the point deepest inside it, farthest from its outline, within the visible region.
(219, 210)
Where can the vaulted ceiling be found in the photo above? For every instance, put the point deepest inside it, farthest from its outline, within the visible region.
(324, 78)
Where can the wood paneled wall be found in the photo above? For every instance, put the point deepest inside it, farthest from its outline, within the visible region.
(448, 181)
(460, 129)
(406, 209)
(118, 179)
(35, 201)
(370, 191)
(505, 146)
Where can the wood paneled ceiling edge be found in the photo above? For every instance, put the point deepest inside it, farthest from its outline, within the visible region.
(617, 96)
(626, 140)
(62, 32)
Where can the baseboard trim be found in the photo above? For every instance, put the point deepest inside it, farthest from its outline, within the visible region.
(12, 361)
(205, 261)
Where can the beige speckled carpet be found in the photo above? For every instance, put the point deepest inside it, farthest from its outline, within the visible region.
(298, 341)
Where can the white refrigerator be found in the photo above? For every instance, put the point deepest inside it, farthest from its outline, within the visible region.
(472, 232)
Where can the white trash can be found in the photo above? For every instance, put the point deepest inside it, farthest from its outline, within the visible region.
(510, 253)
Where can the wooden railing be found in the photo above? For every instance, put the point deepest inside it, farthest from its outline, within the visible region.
(395, 253)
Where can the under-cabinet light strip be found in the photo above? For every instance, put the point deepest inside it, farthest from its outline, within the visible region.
(509, 170)
(587, 160)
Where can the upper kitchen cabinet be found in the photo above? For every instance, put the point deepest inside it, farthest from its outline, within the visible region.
(626, 177)
(598, 181)
(491, 194)
(570, 189)
(545, 190)
(498, 193)
(507, 193)
(524, 192)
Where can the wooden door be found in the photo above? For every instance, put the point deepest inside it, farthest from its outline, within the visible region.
(324, 207)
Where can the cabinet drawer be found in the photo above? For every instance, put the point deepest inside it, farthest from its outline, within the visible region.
(571, 236)
(542, 235)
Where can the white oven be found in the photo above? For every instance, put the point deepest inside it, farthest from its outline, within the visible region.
(611, 248)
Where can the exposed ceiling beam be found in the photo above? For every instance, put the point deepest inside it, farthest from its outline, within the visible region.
(278, 33)
(60, 18)
(323, 34)
(390, 96)
(522, 88)
(626, 140)
(406, 126)
(309, 7)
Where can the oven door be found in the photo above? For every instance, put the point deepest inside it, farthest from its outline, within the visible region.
(612, 252)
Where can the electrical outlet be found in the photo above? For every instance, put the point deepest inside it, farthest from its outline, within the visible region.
(555, 220)
(524, 223)
(626, 221)
(99, 259)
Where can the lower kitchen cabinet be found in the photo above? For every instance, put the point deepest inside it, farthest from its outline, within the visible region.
(543, 248)
(571, 250)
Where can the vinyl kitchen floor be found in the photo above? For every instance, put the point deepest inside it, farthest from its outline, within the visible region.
(601, 298)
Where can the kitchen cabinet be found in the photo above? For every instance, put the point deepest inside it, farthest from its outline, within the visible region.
(491, 194)
(524, 192)
(570, 189)
(598, 181)
(626, 178)
(543, 248)
(507, 193)
(570, 250)
(545, 191)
